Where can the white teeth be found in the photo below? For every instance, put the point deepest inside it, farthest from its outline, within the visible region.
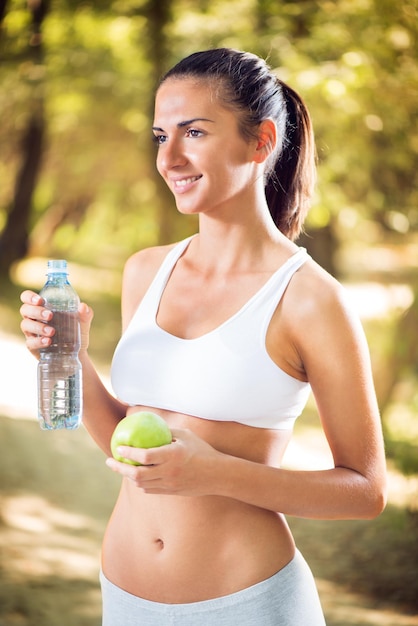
(185, 181)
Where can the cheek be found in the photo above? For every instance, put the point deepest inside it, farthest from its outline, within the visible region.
(235, 171)
(158, 165)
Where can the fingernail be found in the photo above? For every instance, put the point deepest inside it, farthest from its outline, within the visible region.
(46, 314)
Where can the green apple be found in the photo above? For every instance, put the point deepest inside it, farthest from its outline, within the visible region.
(140, 430)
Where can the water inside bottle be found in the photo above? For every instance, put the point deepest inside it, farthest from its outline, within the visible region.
(59, 395)
(67, 332)
(59, 375)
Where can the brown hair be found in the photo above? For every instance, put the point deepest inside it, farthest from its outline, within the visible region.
(246, 84)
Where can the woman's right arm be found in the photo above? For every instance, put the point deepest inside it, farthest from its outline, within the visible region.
(101, 411)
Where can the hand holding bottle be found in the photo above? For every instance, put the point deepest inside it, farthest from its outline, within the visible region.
(57, 348)
(35, 322)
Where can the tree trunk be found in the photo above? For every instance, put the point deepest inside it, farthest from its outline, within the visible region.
(322, 245)
(14, 238)
(3, 6)
(159, 14)
(15, 235)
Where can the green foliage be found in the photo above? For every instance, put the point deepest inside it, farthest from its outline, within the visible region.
(378, 559)
(404, 455)
(355, 62)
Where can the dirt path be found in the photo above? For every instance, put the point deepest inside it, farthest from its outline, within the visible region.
(56, 495)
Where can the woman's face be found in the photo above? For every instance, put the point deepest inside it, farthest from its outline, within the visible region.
(202, 157)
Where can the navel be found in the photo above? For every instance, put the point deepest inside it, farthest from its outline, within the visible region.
(159, 543)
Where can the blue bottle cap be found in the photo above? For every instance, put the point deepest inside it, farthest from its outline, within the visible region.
(57, 266)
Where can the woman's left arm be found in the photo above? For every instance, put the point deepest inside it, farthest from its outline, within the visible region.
(331, 348)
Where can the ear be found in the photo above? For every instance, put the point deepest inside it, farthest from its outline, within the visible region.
(266, 142)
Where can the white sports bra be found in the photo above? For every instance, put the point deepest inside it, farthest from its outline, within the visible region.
(223, 375)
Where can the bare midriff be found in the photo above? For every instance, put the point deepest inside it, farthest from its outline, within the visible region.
(177, 549)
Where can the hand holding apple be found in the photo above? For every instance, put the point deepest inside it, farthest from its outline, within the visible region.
(189, 466)
(140, 430)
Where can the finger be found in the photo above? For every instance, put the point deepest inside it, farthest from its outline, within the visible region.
(141, 475)
(37, 343)
(118, 466)
(143, 456)
(129, 470)
(85, 312)
(31, 297)
(85, 315)
(36, 313)
(32, 327)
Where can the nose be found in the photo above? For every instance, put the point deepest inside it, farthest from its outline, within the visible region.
(171, 155)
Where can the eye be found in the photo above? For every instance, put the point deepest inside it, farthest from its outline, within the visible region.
(159, 139)
(194, 132)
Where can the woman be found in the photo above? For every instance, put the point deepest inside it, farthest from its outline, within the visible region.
(224, 335)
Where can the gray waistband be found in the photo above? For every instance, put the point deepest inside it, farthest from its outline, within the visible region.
(289, 598)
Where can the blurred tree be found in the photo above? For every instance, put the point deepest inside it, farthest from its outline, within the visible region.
(3, 5)
(98, 196)
(14, 237)
(361, 80)
(159, 16)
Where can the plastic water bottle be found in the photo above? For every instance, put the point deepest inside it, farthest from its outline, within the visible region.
(59, 369)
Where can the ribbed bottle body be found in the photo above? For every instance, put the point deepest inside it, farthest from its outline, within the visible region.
(59, 393)
(59, 369)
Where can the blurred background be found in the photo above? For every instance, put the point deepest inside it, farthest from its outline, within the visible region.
(78, 181)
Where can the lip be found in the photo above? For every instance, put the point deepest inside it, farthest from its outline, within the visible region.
(181, 184)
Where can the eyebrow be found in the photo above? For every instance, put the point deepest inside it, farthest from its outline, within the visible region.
(187, 123)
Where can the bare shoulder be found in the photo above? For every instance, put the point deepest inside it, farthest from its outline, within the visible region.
(145, 263)
(319, 316)
(139, 272)
(314, 293)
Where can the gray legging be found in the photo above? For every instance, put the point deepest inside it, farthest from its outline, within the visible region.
(289, 598)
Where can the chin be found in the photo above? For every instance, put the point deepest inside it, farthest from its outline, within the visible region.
(187, 210)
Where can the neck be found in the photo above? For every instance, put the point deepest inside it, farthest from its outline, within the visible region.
(246, 242)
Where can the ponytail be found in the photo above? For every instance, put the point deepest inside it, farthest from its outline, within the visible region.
(289, 185)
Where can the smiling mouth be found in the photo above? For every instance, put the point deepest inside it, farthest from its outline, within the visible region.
(186, 181)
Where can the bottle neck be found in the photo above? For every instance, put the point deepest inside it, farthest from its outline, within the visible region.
(57, 277)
